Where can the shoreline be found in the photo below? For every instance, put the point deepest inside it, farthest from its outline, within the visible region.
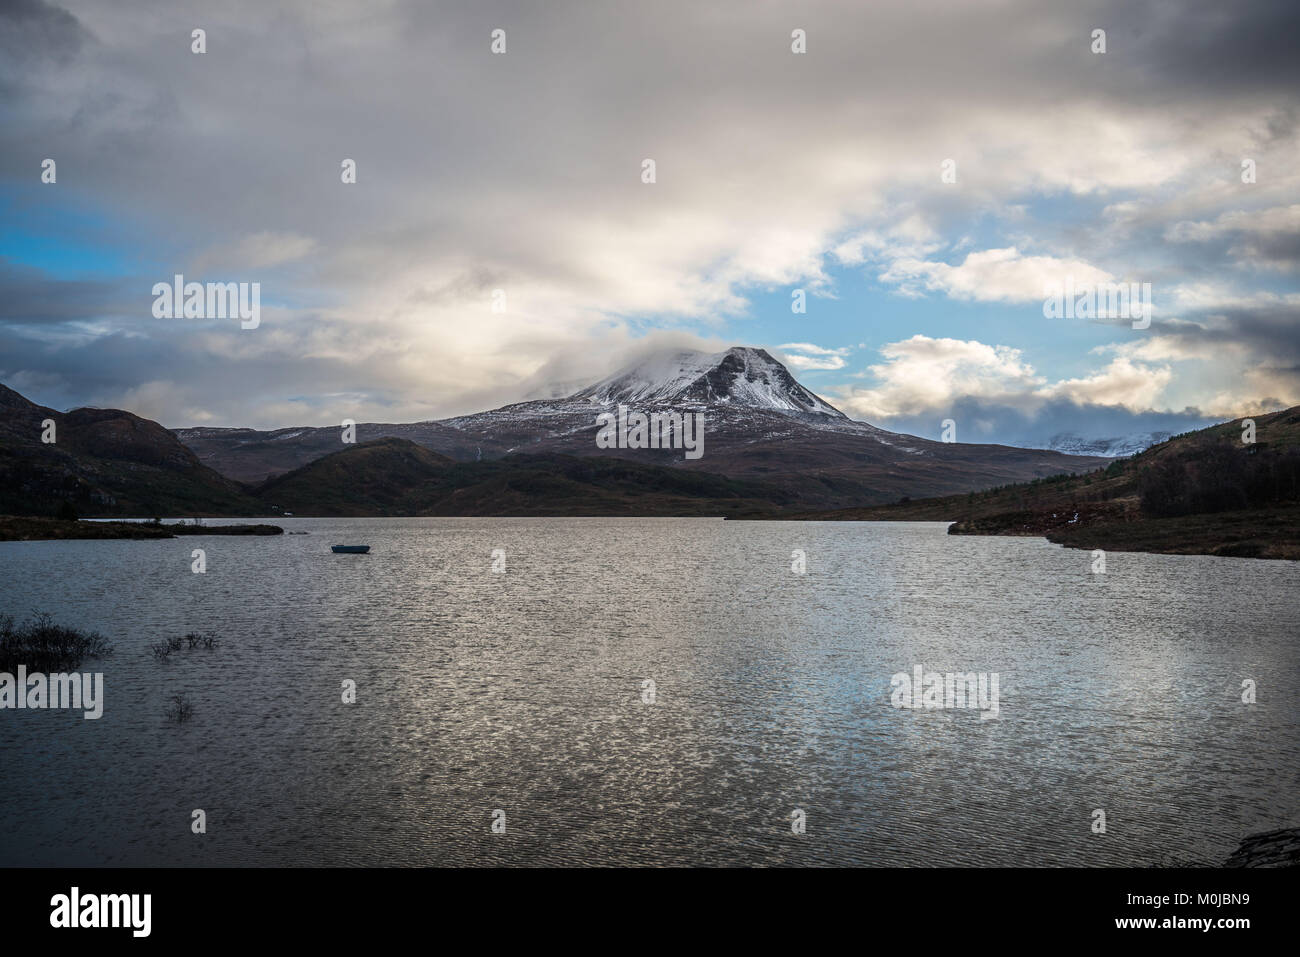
(1270, 534)
(27, 528)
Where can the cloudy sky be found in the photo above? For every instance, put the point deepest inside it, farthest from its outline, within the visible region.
(774, 172)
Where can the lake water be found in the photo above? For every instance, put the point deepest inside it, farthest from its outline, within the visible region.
(522, 691)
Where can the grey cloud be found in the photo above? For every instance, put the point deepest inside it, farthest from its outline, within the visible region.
(1214, 48)
(1277, 250)
(30, 295)
(1269, 333)
(33, 29)
(34, 36)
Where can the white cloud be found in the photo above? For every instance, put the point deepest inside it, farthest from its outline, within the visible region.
(907, 235)
(924, 375)
(1219, 296)
(1123, 382)
(992, 275)
(804, 356)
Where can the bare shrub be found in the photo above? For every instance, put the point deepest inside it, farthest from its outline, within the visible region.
(44, 646)
(180, 710)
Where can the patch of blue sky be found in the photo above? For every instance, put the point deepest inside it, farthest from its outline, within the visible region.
(65, 237)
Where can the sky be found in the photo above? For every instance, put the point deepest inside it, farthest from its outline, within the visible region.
(925, 173)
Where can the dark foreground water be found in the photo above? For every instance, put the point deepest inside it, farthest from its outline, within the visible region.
(522, 692)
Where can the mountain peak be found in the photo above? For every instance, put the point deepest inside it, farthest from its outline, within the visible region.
(740, 376)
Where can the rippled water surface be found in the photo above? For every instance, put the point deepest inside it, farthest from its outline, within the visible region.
(522, 691)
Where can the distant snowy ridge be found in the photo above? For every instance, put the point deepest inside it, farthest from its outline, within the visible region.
(1072, 443)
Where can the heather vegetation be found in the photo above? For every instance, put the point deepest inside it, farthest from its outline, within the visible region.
(1210, 476)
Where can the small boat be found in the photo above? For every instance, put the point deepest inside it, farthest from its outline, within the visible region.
(350, 549)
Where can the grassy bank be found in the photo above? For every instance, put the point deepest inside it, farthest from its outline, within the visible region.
(24, 528)
(1264, 533)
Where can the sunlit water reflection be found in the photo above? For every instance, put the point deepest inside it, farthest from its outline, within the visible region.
(522, 691)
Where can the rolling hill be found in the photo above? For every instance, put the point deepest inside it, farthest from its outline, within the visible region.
(104, 462)
(397, 477)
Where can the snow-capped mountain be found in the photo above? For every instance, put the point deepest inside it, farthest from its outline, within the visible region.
(1072, 443)
(740, 376)
(760, 425)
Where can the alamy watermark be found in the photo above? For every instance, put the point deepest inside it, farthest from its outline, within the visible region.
(1107, 300)
(926, 690)
(75, 909)
(657, 430)
(214, 300)
(37, 690)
